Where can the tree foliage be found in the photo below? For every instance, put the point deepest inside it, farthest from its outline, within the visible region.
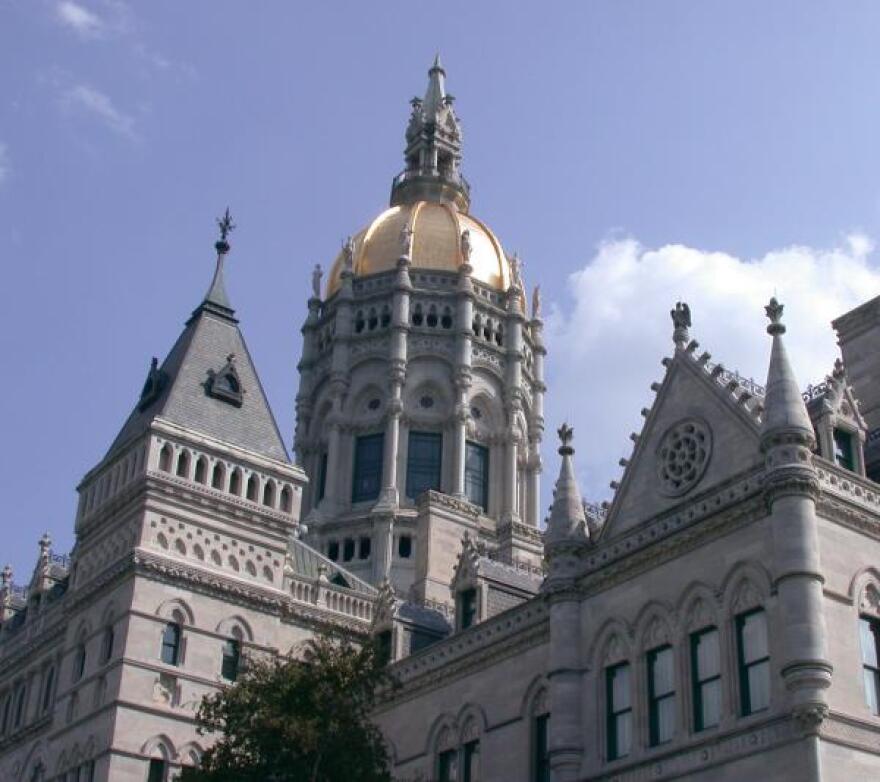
(301, 717)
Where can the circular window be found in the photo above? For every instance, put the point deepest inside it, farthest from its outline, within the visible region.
(426, 401)
(683, 456)
(373, 404)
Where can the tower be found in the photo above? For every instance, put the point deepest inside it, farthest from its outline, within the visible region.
(420, 406)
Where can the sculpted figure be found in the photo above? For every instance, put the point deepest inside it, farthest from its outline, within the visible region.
(536, 303)
(317, 273)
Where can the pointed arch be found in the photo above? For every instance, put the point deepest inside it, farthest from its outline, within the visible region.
(182, 469)
(218, 475)
(613, 643)
(166, 456)
(746, 585)
(698, 607)
(176, 610)
(654, 626)
(201, 471)
(159, 746)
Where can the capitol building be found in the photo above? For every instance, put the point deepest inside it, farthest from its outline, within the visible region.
(717, 619)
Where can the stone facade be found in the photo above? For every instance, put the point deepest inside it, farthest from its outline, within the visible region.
(718, 619)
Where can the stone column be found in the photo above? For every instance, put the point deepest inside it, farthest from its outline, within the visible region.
(509, 509)
(464, 333)
(513, 394)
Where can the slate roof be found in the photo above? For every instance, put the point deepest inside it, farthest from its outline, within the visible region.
(210, 335)
(510, 575)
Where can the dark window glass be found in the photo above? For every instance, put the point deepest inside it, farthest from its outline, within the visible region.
(364, 545)
(348, 550)
(47, 689)
(843, 450)
(472, 761)
(171, 644)
(88, 772)
(333, 550)
(322, 476)
(661, 695)
(754, 661)
(447, 770)
(107, 645)
(706, 678)
(20, 698)
(467, 601)
(383, 646)
(404, 546)
(869, 635)
(618, 710)
(4, 719)
(157, 771)
(367, 467)
(542, 748)
(79, 662)
(231, 659)
(423, 462)
(476, 474)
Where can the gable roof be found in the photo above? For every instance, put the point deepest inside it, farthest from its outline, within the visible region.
(725, 412)
(180, 386)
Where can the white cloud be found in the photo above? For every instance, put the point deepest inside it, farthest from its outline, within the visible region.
(86, 98)
(5, 166)
(605, 351)
(80, 19)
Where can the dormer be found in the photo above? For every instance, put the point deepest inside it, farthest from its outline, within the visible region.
(840, 429)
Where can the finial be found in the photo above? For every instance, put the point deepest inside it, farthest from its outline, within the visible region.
(466, 246)
(566, 435)
(45, 541)
(437, 65)
(681, 322)
(774, 313)
(348, 251)
(516, 270)
(226, 227)
(536, 303)
(317, 273)
(406, 240)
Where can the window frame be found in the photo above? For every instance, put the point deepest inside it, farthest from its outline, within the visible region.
(176, 646)
(612, 714)
(366, 446)
(468, 608)
(697, 684)
(541, 747)
(477, 478)
(470, 754)
(231, 650)
(420, 466)
(744, 667)
(843, 448)
(656, 700)
(873, 625)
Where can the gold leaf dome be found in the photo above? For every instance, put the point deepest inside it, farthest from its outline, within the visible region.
(436, 244)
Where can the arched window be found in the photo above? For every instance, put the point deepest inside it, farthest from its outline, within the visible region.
(156, 771)
(373, 320)
(107, 645)
(359, 322)
(253, 487)
(432, 316)
(218, 475)
(171, 644)
(386, 316)
(286, 499)
(269, 494)
(446, 320)
(417, 315)
(165, 458)
(235, 482)
(753, 656)
(79, 662)
(48, 687)
(231, 658)
(201, 475)
(182, 464)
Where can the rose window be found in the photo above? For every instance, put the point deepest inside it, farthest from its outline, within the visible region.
(683, 456)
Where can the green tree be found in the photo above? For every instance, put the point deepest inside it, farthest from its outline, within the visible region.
(304, 718)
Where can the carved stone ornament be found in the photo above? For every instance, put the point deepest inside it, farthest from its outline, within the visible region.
(152, 385)
(225, 384)
(683, 456)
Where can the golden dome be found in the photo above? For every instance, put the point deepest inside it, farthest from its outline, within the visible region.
(436, 244)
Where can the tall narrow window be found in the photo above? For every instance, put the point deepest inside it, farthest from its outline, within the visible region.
(423, 462)
(157, 771)
(217, 476)
(79, 662)
(383, 647)
(467, 606)
(618, 710)
(253, 488)
(447, 770)
(231, 659)
(20, 701)
(404, 547)
(472, 761)
(201, 470)
(869, 635)
(107, 645)
(706, 678)
(754, 661)
(4, 715)
(844, 454)
(476, 474)
(171, 644)
(367, 467)
(48, 687)
(165, 458)
(182, 464)
(541, 745)
(661, 695)
(322, 476)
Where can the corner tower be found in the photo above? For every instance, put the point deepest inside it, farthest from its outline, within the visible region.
(420, 407)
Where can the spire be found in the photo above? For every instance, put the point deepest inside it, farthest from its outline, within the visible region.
(216, 299)
(433, 149)
(784, 411)
(567, 511)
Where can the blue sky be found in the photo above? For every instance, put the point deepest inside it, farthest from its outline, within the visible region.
(630, 152)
